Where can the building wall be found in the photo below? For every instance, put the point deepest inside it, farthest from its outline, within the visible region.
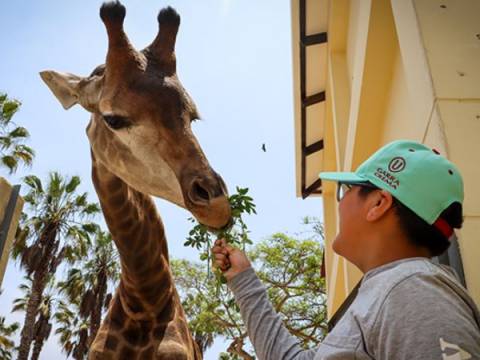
(402, 69)
(448, 36)
(5, 193)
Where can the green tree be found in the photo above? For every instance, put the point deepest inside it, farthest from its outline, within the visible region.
(6, 343)
(290, 269)
(57, 231)
(13, 151)
(88, 282)
(211, 311)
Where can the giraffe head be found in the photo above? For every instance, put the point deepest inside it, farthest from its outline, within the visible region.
(140, 128)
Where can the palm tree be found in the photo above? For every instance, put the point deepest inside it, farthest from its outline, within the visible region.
(43, 325)
(73, 330)
(56, 231)
(12, 149)
(87, 285)
(6, 344)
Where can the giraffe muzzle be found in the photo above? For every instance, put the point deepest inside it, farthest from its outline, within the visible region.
(207, 199)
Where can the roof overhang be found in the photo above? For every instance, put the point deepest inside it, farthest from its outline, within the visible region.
(309, 52)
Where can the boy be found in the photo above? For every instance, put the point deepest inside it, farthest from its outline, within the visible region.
(396, 211)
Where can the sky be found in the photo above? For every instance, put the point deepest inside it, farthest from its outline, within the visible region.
(233, 57)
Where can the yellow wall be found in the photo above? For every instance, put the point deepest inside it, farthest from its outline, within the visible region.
(402, 69)
(448, 46)
(5, 191)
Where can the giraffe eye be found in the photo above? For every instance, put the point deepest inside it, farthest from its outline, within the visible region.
(117, 122)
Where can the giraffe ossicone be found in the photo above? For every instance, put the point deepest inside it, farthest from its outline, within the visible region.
(142, 145)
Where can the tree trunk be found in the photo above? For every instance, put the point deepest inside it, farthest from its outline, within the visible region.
(96, 314)
(37, 348)
(29, 323)
(38, 285)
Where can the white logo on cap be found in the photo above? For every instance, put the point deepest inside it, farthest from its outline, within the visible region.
(397, 164)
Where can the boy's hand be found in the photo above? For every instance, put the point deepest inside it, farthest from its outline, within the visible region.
(231, 261)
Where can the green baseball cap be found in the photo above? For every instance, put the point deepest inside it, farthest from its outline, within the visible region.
(417, 176)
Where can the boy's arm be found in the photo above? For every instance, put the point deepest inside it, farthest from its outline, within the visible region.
(270, 339)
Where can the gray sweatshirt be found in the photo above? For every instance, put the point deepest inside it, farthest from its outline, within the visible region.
(407, 309)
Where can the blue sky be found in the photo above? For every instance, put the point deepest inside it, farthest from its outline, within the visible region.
(234, 58)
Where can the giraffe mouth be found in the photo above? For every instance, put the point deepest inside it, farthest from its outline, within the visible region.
(216, 215)
(222, 229)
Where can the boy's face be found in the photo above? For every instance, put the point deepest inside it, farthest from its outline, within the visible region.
(365, 223)
(351, 224)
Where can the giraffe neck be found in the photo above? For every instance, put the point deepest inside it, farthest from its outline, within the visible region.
(145, 319)
(146, 284)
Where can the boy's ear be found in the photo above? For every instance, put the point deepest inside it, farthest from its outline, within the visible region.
(380, 204)
(71, 89)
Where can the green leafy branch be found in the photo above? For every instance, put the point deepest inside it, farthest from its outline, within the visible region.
(235, 233)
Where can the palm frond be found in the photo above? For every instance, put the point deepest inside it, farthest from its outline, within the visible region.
(18, 132)
(34, 183)
(9, 162)
(72, 184)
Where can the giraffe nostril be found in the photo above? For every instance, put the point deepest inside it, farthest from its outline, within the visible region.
(199, 193)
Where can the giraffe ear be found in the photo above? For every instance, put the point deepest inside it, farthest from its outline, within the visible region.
(71, 89)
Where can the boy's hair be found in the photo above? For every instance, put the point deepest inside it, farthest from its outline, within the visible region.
(418, 231)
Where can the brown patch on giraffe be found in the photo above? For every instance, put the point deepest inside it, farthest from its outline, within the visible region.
(159, 331)
(133, 337)
(150, 294)
(116, 314)
(132, 232)
(143, 267)
(146, 326)
(114, 185)
(148, 353)
(127, 353)
(130, 302)
(145, 234)
(117, 200)
(165, 316)
(125, 224)
(121, 208)
(112, 342)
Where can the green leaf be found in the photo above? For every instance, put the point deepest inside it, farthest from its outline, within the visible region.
(5, 142)
(23, 153)
(19, 132)
(34, 183)
(73, 184)
(9, 108)
(10, 162)
(90, 227)
(81, 200)
(56, 185)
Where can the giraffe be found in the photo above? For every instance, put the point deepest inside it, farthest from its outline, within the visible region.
(142, 145)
